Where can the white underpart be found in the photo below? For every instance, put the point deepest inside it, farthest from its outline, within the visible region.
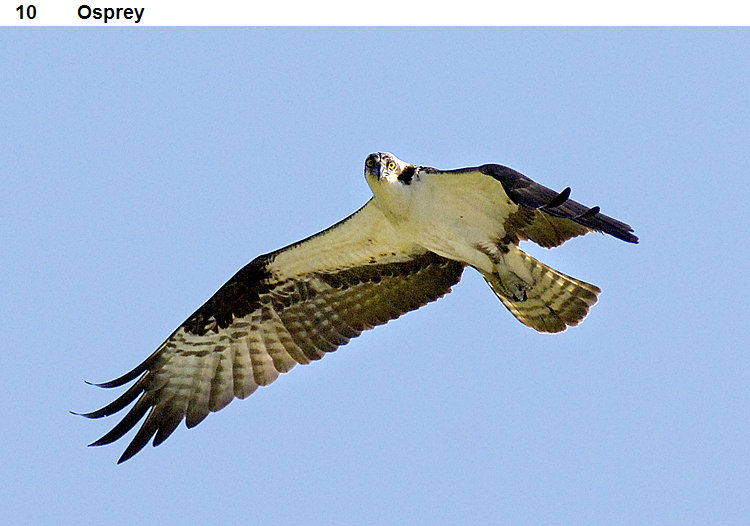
(458, 216)
(364, 236)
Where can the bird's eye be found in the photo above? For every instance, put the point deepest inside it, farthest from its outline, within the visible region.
(391, 165)
(370, 162)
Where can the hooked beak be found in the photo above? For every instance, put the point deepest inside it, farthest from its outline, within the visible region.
(375, 169)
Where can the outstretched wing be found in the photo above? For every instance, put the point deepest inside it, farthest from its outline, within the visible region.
(544, 216)
(287, 307)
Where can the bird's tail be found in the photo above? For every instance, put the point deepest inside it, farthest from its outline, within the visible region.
(539, 296)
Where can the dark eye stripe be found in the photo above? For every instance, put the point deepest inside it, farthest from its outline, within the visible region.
(406, 175)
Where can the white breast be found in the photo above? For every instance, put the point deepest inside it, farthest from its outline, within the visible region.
(450, 214)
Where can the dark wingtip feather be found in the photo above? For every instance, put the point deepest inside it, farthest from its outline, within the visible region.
(127, 423)
(608, 225)
(132, 374)
(559, 199)
(125, 378)
(147, 430)
(123, 458)
(118, 404)
(588, 214)
(590, 218)
(621, 231)
(132, 449)
(167, 424)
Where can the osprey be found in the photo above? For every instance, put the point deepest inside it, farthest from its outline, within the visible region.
(403, 249)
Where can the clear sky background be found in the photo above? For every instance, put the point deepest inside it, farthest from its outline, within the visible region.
(141, 169)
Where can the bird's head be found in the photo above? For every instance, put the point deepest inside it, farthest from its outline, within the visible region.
(384, 167)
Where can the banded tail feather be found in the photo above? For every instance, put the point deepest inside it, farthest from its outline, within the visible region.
(551, 302)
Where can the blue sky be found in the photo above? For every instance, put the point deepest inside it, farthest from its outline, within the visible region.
(141, 169)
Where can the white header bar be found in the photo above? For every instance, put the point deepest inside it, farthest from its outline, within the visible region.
(137, 13)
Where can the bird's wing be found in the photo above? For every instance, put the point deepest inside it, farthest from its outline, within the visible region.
(544, 216)
(287, 307)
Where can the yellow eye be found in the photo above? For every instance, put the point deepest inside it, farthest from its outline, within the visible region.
(391, 165)
(370, 162)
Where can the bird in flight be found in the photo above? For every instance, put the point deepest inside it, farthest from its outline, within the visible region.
(407, 246)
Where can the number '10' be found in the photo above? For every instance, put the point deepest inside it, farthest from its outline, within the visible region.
(30, 11)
